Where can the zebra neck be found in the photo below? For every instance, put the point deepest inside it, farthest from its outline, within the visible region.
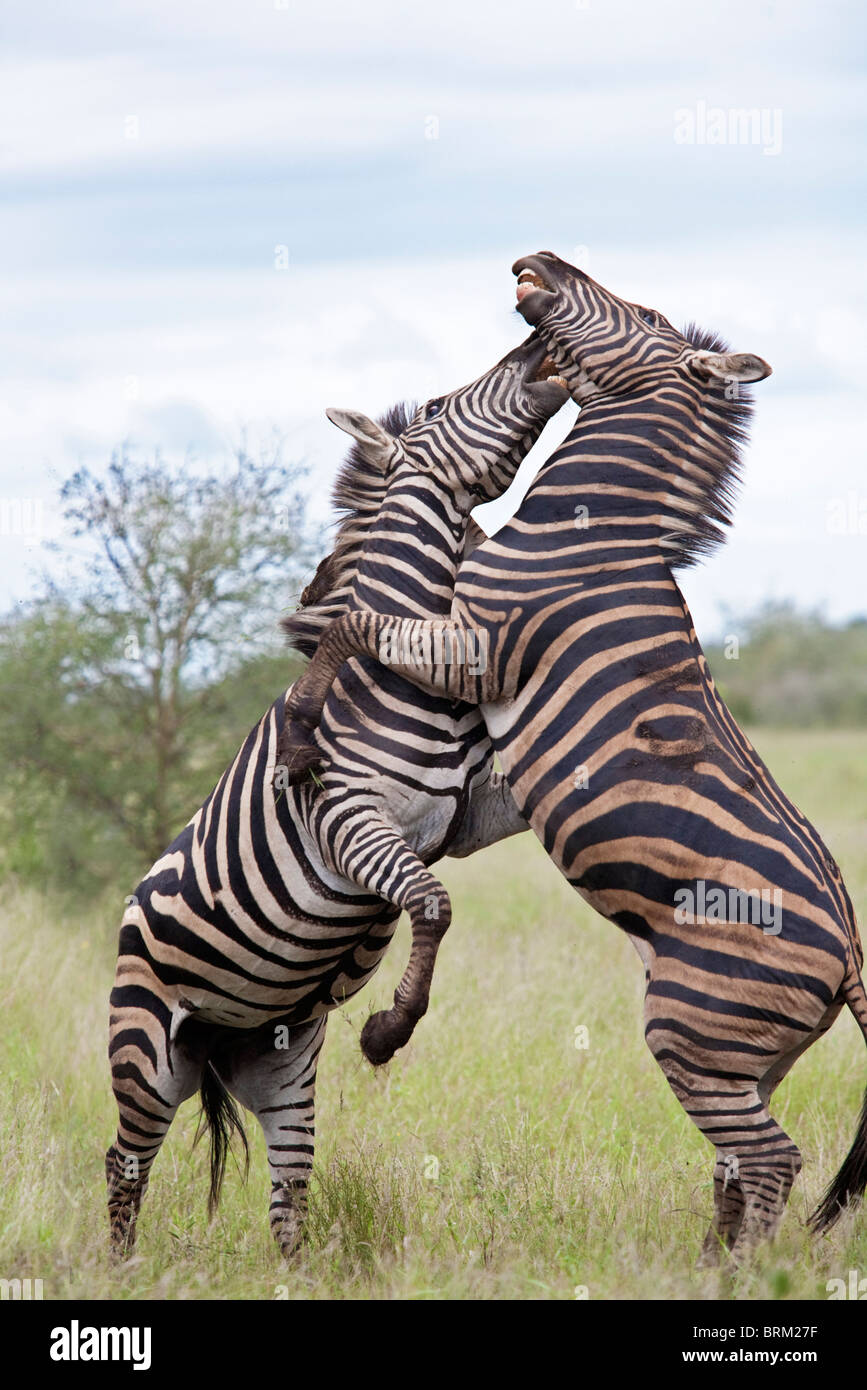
(652, 474)
(409, 563)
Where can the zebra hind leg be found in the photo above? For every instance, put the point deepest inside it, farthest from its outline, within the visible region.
(126, 1188)
(728, 1201)
(766, 1185)
(749, 1199)
(724, 1085)
(151, 1077)
(272, 1071)
(757, 1163)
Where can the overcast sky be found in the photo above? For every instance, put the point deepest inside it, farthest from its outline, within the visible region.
(163, 162)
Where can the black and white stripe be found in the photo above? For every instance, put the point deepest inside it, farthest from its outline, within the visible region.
(620, 752)
(268, 911)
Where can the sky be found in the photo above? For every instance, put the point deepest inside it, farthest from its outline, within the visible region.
(225, 216)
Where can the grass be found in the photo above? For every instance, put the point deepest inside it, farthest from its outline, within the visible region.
(493, 1159)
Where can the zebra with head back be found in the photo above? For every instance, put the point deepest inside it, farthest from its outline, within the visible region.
(620, 752)
(266, 913)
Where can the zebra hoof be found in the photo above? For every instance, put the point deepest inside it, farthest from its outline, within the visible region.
(711, 1258)
(291, 1239)
(296, 762)
(379, 1040)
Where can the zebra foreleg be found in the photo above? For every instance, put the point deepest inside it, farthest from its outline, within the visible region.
(272, 1072)
(430, 912)
(375, 857)
(439, 655)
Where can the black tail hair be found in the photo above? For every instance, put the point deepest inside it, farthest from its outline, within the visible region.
(849, 1184)
(221, 1118)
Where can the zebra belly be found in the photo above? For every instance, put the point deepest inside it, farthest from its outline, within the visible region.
(297, 1004)
(206, 965)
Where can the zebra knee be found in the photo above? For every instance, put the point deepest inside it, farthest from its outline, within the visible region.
(430, 909)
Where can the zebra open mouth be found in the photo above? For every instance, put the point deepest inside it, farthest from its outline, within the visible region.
(540, 369)
(536, 291)
(532, 280)
(527, 282)
(547, 371)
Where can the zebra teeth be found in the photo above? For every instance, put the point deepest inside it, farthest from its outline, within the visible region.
(528, 281)
(547, 371)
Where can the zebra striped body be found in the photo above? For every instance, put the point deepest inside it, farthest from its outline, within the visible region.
(267, 912)
(621, 754)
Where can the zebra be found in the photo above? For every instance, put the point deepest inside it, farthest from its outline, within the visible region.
(620, 752)
(266, 913)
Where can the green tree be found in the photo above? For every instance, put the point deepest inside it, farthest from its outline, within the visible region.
(126, 685)
(793, 668)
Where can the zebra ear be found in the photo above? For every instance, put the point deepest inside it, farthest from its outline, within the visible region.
(378, 444)
(730, 366)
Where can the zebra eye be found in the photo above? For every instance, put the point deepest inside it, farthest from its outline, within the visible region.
(647, 315)
(433, 408)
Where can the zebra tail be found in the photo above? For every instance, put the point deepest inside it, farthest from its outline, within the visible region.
(851, 1181)
(221, 1117)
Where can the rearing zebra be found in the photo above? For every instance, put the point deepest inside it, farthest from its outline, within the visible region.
(265, 914)
(620, 752)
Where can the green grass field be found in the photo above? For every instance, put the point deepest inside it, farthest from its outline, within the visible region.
(492, 1159)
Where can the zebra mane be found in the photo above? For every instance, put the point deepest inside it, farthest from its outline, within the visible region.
(723, 430)
(357, 495)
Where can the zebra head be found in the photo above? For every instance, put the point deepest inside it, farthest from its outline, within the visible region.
(604, 345)
(680, 401)
(472, 440)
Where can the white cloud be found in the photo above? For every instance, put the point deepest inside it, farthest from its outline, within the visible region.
(133, 118)
(485, 35)
(171, 359)
(140, 314)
